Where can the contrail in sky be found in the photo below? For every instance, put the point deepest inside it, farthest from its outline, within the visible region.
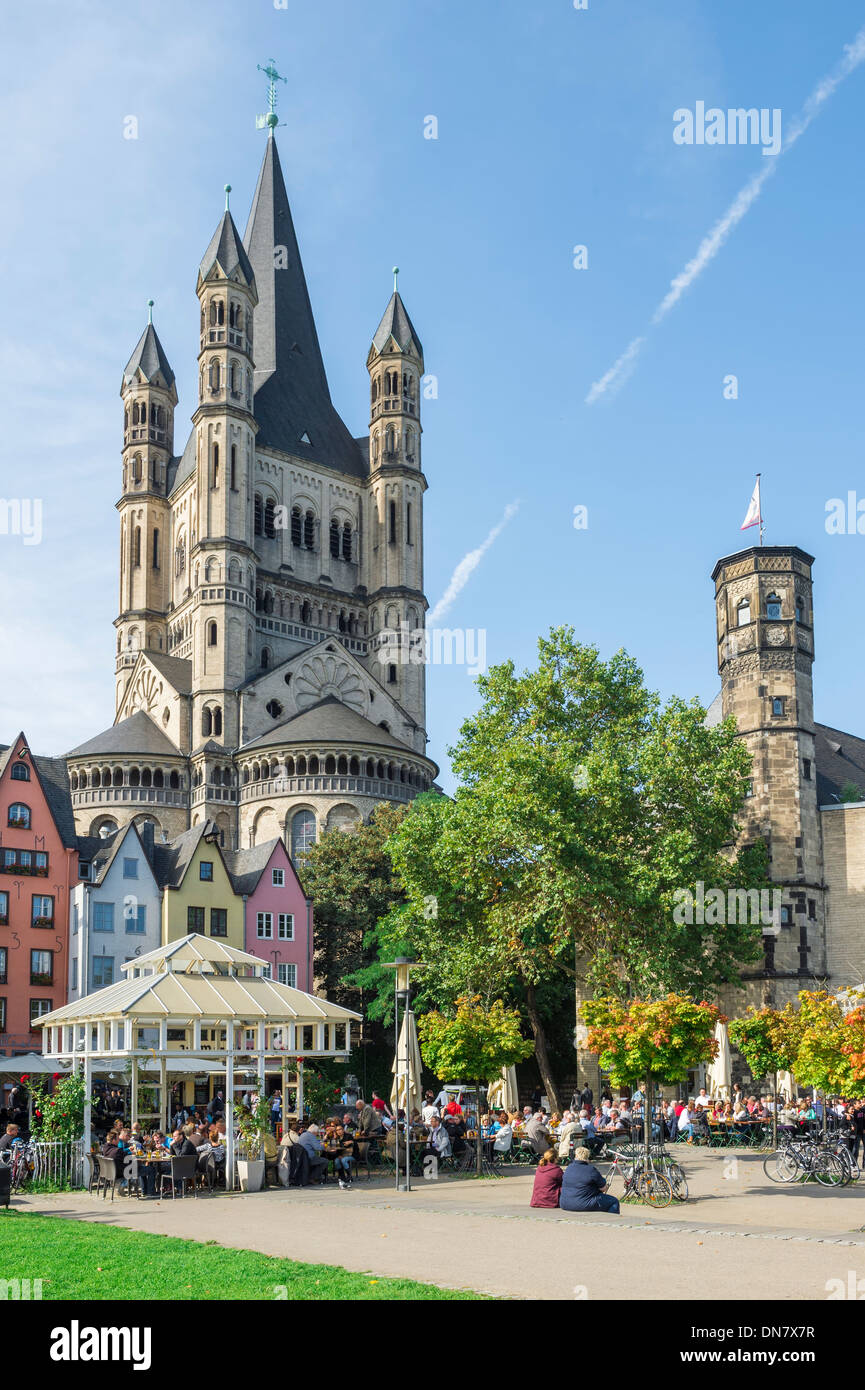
(467, 565)
(612, 380)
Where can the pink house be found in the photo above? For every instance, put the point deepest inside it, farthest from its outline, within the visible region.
(278, 914)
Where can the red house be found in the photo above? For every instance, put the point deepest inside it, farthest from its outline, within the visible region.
(38, 866)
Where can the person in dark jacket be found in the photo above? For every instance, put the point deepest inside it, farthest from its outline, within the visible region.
(181, 1146)
(583, 1187)
(548, 1181)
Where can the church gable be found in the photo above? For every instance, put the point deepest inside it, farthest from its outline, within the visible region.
(326, 671)
(159, 692)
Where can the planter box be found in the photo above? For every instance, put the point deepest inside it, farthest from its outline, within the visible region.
(251, 1174)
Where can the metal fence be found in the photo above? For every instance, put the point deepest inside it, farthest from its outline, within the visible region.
(59, 1162)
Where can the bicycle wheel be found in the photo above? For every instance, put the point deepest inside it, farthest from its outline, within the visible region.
(675, 1175)
(654, 1189)
(828, 1170)
(781, 1166)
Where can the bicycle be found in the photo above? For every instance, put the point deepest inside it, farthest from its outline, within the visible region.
(637, 1180)
(795, 1160)
(21, 1158)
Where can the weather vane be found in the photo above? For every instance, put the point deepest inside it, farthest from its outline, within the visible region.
(271, 120)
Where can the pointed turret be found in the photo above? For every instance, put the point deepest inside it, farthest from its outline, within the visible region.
(226, 254)
(148, 362)
(396, 324)
(292, 398)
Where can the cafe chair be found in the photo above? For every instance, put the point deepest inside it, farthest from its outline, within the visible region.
(183, 1172)
(108, 1176)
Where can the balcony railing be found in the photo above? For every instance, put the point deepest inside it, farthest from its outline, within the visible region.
(102, 796)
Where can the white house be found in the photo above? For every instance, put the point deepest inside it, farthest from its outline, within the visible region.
(115, 912)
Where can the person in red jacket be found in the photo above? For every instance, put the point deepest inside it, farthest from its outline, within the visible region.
(548, 1181)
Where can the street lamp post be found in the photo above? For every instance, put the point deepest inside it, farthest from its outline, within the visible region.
(402, 968)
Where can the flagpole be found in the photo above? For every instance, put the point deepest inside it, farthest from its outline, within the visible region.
(760, 508)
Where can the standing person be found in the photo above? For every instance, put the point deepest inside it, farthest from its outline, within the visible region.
(380, 1105)
(583, 1187)
(858, 1137)
(547, 1185)
(537, 1097)
(586, 1098)
(275, 1110)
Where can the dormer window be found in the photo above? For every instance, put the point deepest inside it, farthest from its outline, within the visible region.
(20, 772)
(773, 607)
(743, 612)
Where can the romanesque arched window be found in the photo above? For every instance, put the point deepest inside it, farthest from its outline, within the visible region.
(346, 540)
(296, 526)
(270, 518)
(334, 537)
(136, 546)
(206, 722)
(302, 832)
(309, 531)
(258, 514)
(211, 634)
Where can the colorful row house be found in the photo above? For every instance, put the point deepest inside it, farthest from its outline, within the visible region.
(74, 909)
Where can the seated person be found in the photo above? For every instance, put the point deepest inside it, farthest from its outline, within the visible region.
(181, 1145)
(312, 1143)
(438, 1142)
(340, 1147)
(504, 1136)
(456, 1131)
(548, 1181)
(583, 1187)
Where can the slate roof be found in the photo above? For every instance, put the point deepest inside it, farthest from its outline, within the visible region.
(247, 865)
(292, 397)
(171, 861)
(54, 776)
(137, 734)
(176, 669)
(227, 250)
(179, 469)
(840, 758)
(149, 356)
(397, 324)
(328, 721)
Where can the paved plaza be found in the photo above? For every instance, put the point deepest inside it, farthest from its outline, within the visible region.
(739, 1236)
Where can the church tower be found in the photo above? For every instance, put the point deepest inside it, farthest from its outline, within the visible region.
(224, 429)
(149, 396)
(395, 566)
(765, 630)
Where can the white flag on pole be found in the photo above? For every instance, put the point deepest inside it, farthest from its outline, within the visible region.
(752, 516)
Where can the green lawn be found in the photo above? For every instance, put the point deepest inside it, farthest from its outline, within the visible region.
(76, 1259)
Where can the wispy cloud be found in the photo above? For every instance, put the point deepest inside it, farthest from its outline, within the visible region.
(612, 380)
(467, 565)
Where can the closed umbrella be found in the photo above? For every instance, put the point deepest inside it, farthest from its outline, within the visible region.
(718, 1074)
(786, 1085)
(407, 1047)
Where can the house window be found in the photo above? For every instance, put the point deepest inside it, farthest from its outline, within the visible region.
(83, 870)
(41, 967)
(19, 816)
(4, 909)
(264, 926)
(773, 607)
(779, 705)
(287, 975)
(42, 912)
(103, 917)
(4, 953)
(302, 832)
(277, 878)
(391, 675)
(2, 1015)
(195, 919)
(806, 769)
(743, 612)
(102, 972)
(20, 772)
(286, 926)
(130, 868)
(219, 921)
(136, 920)
(38, 1009)
(749, 787)
(205, 871)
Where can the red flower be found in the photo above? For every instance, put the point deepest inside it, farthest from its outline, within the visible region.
(55, 1076)
(25, 1077)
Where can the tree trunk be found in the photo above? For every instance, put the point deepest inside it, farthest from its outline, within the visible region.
(647, 1118)
(541, 1053)
(775, 1112)
(479, 1142)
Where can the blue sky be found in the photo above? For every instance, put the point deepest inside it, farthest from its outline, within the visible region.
(555, 129)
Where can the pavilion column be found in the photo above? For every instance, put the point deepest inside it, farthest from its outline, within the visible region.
(284, 1084)
(164, 1117)
(229, 1116)
(133, 1104)
(299, 1089)
(88, 1081)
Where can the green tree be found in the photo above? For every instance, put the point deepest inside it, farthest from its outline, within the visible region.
(769, 1041)
(821, 1059)
(584, 806)
(851, 791)
(474, 1044)
(349, 877)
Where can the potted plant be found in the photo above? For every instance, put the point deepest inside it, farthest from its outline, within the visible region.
(252, 1125)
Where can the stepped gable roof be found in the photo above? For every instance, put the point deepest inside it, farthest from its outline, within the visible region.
(395, 323)
(840, 759)
(148, 357)
(292, 397)
(137, 734)
(330, 721)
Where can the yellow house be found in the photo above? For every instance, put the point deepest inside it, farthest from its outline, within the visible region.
(198, 892)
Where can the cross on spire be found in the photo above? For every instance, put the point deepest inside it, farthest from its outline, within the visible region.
(271, 120)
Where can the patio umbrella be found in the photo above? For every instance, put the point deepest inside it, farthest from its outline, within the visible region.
(502, 1093)
(31, 1064)
(407, 1047)
(718, 1073)
(786, 1085)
